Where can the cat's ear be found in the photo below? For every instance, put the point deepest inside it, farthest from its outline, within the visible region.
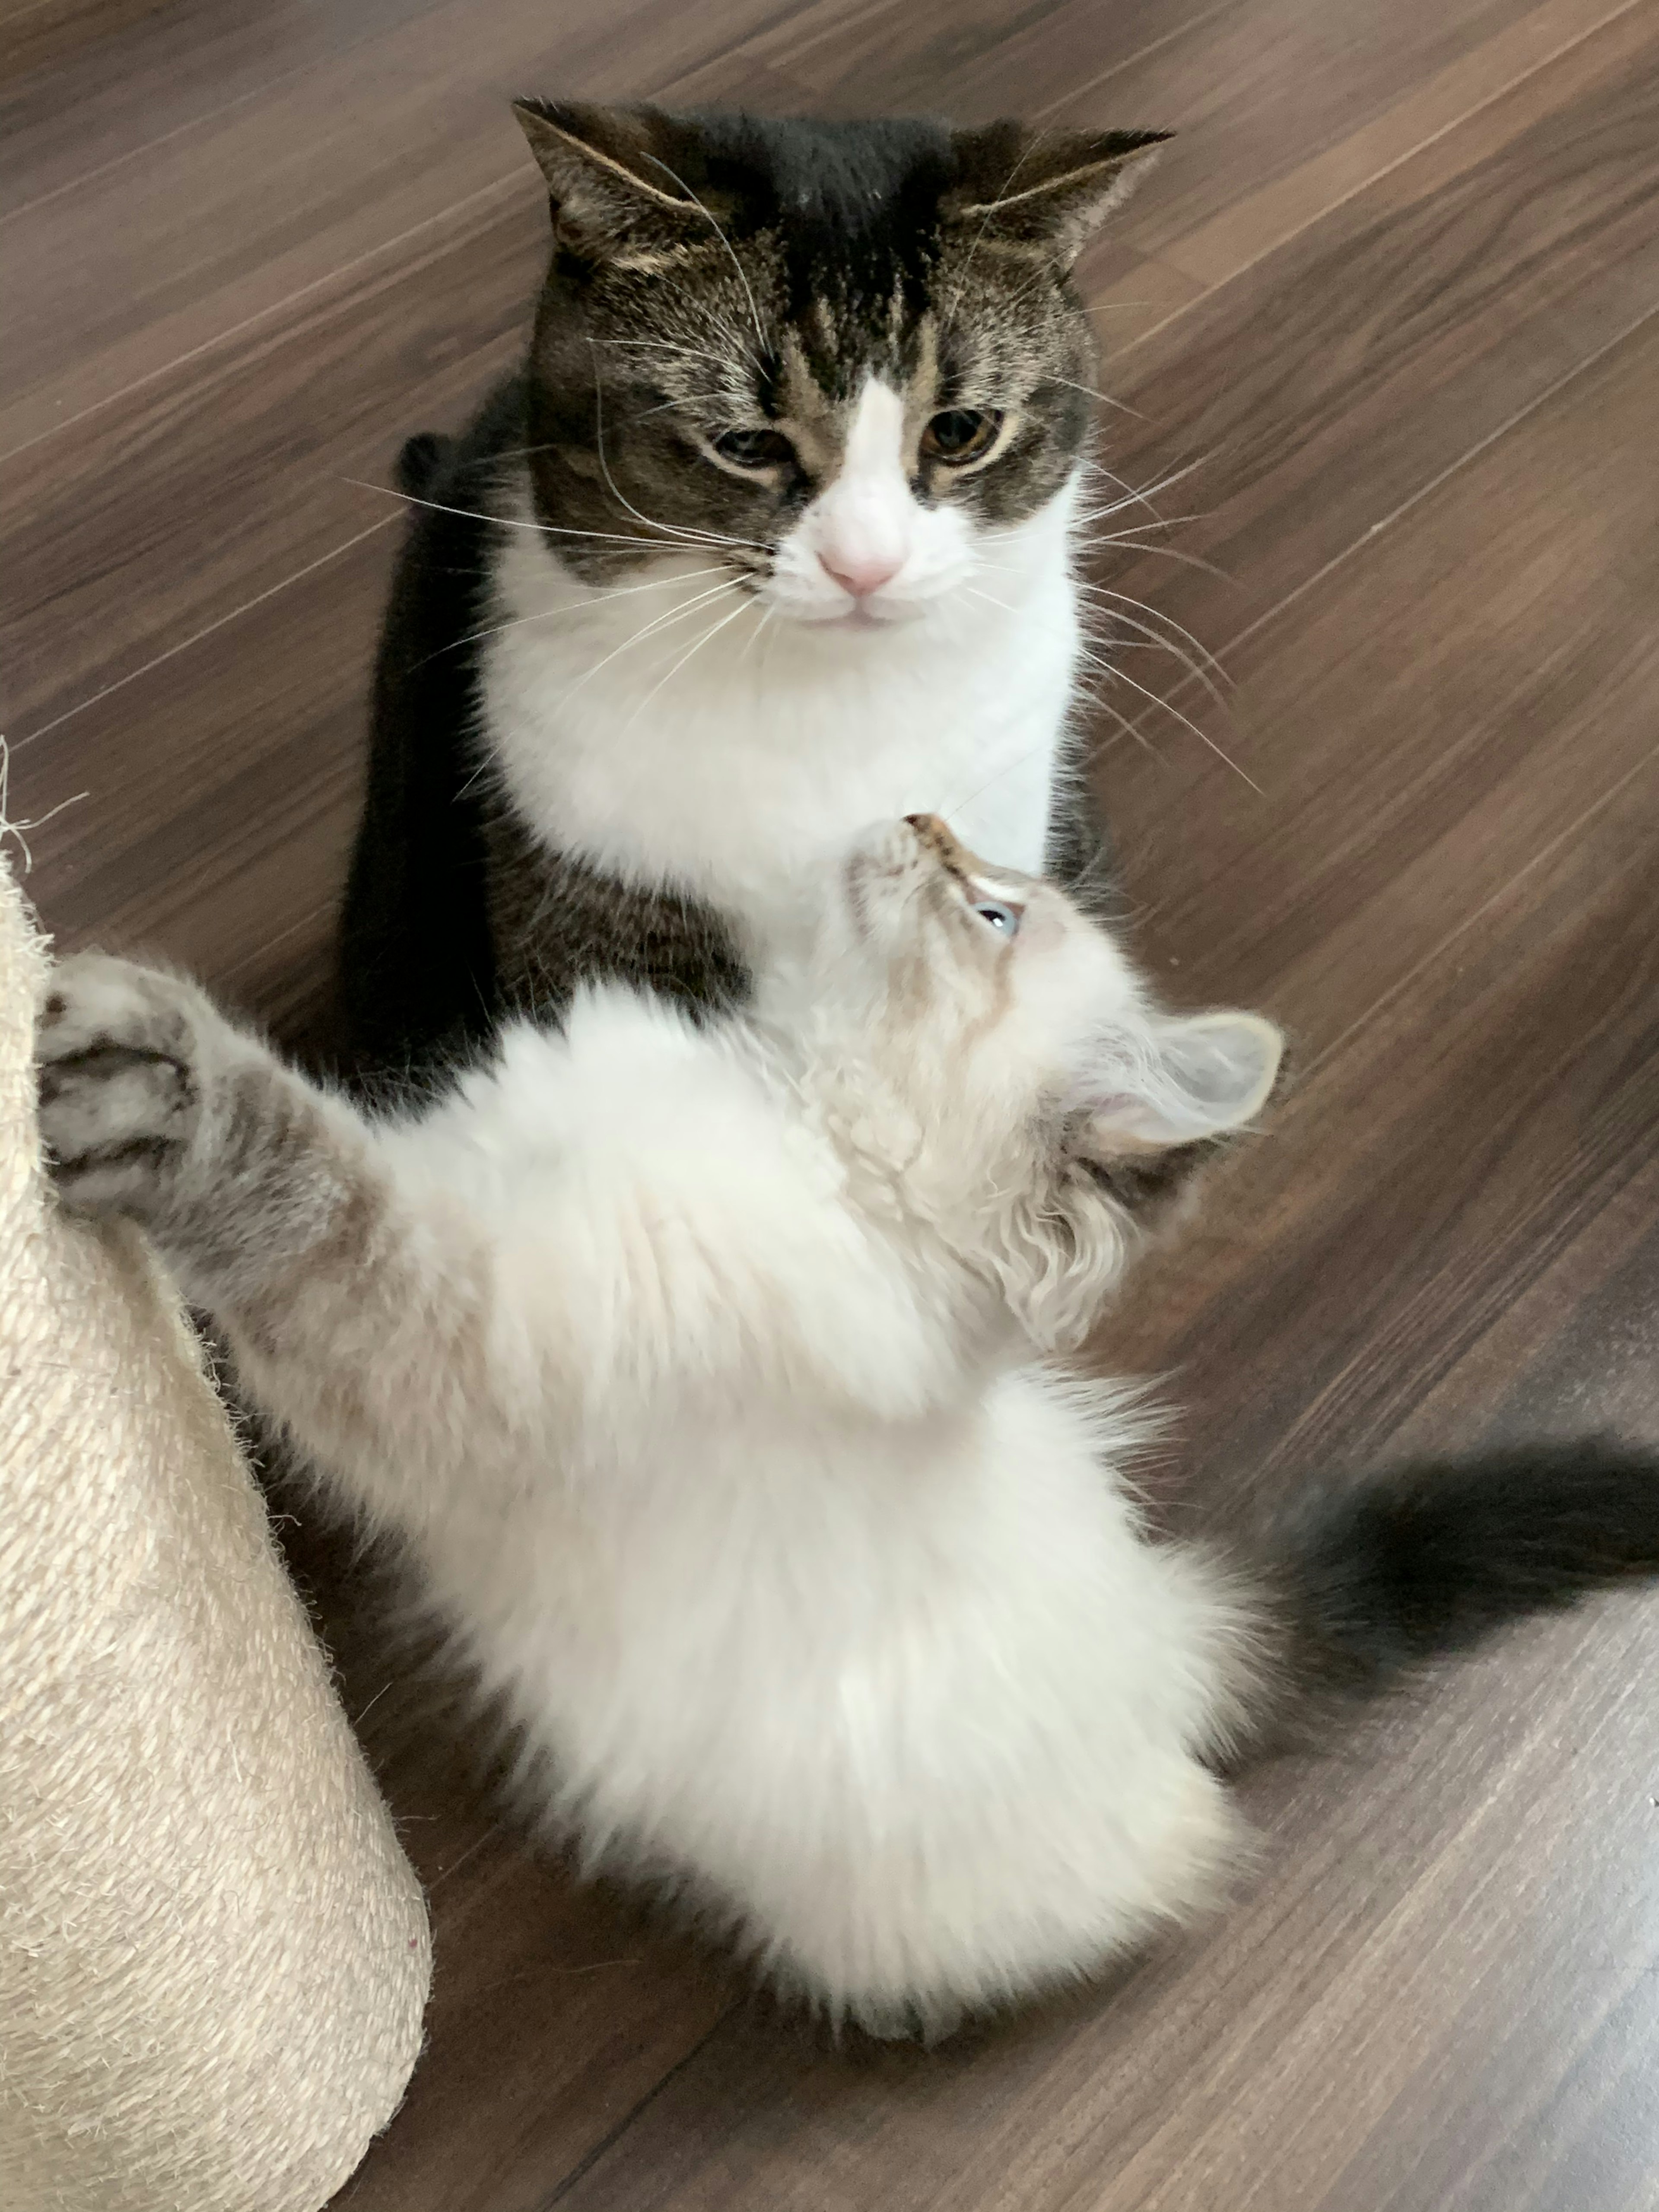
(1046, 191)
(1194, 1078)
(1161, 1100)
(615, 179)
(1160, 1111)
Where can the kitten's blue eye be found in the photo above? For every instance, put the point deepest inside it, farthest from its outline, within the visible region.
(1003, 919)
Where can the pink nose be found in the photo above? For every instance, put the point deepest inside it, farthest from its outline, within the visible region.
(861, 575)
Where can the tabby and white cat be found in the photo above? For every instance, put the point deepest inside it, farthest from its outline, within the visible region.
(774, 536)
(701, 1370)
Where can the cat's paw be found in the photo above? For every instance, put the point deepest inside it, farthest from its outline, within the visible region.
(118, 1050)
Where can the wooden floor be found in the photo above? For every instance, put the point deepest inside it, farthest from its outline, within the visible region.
(1394, 300)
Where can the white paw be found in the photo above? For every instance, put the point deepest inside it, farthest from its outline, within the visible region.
(117, 1051)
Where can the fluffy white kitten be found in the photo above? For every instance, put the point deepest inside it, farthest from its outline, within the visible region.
(705, 1373)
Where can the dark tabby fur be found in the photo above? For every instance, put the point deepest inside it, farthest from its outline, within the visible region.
(754, 270)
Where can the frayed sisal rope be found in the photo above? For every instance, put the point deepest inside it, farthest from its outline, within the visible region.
(213, 1956)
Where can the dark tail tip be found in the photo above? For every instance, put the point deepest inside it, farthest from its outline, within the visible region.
(1432, 1557)
(420, 462)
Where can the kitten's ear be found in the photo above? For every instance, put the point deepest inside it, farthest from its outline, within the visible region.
(615, 178)
(1161, 1102)
(1158, 1116)
(1199, 1077)
(1047, 191)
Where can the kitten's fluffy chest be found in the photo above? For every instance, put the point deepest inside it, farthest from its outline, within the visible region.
(732, 762)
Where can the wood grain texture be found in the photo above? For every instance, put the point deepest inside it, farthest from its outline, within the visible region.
(1394, 293)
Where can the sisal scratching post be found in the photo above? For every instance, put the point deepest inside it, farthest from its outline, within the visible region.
(213, 1956)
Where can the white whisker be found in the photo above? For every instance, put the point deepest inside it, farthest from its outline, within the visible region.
(766, 614)
(702, 398)
(1125, 541)
(1026, 752)
(1104, 398)
(1195, 668)
(665, 345)
(1112, 673)
(1143, 491)
(669, 529)
(754, 308)
(725, 620)
(1130, 729)
(509, 522)
(524, 452)
(1137, 495)
(1026, 153)
(648, 629)
(1203, 736)
(574, 607)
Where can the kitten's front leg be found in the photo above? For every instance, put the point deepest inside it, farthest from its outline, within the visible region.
(154, 1107)
(267, 1199)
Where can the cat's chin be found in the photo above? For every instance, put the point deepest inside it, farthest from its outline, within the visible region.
(861, 618)
(857, 619)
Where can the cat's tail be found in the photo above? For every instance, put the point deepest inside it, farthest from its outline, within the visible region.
(1372, 1581)
(421, 463)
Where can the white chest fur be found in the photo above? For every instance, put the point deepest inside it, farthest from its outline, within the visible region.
(711, 744)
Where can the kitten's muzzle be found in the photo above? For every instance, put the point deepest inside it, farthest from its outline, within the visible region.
(882, 871)
(936, 839)
(917, 849)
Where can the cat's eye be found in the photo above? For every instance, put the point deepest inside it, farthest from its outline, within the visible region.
(1004, 918)
(754, 449)
(961, 435)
